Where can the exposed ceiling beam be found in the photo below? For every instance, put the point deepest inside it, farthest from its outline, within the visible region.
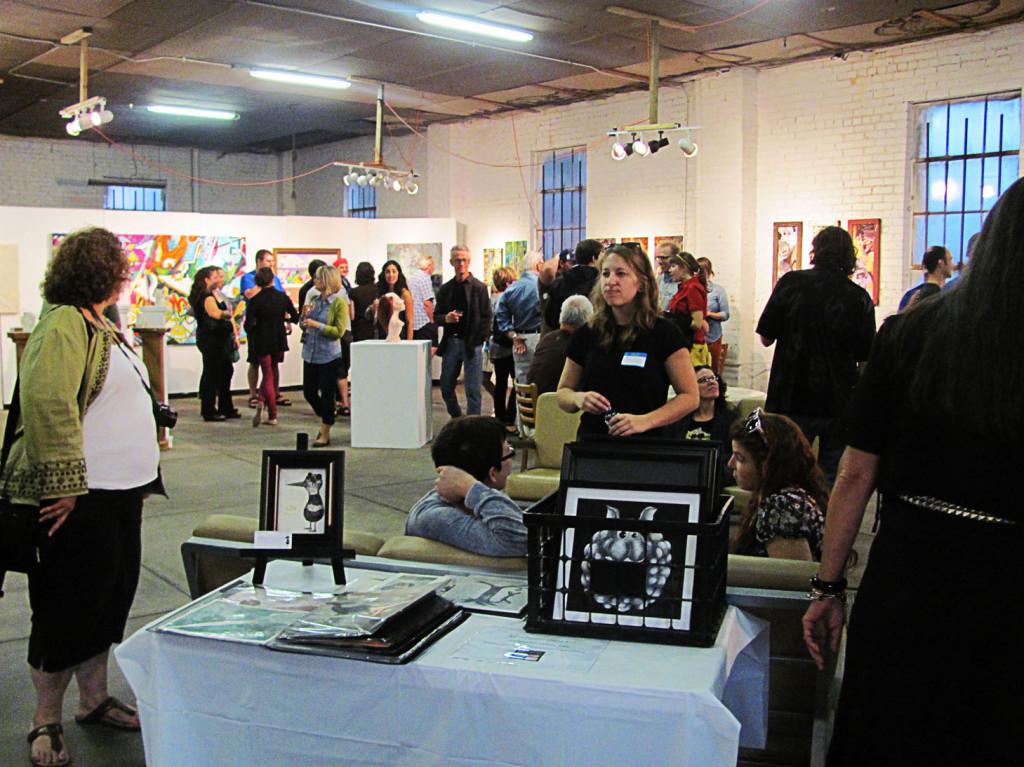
(618, 10)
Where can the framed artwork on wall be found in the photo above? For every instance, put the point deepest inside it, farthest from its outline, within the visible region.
(493, 259)
(644, 242)
(292, 266)
(409, 254)
(676, 238)
(867, 239)
(515, 255)
(787, 248)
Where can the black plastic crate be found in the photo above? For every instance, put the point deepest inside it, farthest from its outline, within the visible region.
(593, 589)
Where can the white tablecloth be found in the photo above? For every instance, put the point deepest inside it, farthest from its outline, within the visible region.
(459, 704)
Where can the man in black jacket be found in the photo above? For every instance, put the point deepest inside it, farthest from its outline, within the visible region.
(465, 311)
(577, 281)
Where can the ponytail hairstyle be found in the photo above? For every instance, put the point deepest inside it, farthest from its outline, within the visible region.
(784, 459)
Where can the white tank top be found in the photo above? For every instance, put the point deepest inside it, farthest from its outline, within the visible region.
(119, 432)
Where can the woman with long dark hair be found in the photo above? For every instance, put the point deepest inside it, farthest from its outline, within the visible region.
(936, 425)
(215, 339)
(713, 418)
(362, 297)
(620, 365)
(391, 280)
(265, 316)
(772, 459)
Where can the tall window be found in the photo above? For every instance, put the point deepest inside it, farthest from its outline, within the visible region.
(968, 153)
(361, 201)
(133, 198)
(563, 192)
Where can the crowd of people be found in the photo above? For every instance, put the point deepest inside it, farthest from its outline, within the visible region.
(637, 352)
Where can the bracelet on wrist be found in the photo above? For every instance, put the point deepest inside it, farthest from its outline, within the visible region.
(817, 595)
(828, 587)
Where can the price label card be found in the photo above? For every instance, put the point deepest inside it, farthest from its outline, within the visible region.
(272, 539)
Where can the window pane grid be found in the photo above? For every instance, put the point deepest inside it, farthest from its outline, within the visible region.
(133, 198)
(968, 154)
(563, 200)
(361, 201)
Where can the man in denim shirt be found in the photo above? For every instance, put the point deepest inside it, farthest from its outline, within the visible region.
(518, 314)
(467, 508)
(717, 313)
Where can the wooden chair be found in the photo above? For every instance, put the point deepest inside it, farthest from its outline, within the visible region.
(526, 405)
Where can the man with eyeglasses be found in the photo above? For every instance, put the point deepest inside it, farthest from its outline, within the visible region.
(666, 285)
(467, 508)
(464, 307)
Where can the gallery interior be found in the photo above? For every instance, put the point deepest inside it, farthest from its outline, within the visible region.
(203, 132)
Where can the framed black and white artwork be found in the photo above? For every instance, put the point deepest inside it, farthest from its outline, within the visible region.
(302, 493)
(616, 567)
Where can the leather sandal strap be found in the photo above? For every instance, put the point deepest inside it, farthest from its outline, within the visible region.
(54, 731)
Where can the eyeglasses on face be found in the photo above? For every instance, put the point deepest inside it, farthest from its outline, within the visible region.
(708, 379)
(509, 455)
(754, 424)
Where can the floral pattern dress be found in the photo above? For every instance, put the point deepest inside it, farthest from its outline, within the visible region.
(789, 513)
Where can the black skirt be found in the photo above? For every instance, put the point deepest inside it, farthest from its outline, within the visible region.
(83, 590)
(933, 673)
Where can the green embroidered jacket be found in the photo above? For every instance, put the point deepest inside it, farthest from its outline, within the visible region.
(62, 370)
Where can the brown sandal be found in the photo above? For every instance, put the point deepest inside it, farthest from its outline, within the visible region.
(55, 732)
(100, 716)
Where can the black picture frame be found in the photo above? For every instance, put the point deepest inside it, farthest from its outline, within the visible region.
(295, 486)
(643, 465)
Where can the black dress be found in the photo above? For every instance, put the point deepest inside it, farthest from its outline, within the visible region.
(932, 666)
(216, 342)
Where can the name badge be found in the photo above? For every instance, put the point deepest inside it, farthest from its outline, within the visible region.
(634, 359)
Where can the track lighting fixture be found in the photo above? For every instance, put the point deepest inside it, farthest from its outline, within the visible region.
(638, 144)
(91, 113)
(411, 186)
(379, 176)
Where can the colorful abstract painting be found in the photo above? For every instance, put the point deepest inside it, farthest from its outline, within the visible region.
(168, 262)
(493, 259)
(291, 265)
(643, 241)
(867, 239)
(515, 255)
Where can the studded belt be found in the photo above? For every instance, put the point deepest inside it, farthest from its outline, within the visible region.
(954, 510)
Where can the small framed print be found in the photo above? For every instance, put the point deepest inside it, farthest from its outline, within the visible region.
(787, 248)
(302, 493)
(867, 239)
(623, 568)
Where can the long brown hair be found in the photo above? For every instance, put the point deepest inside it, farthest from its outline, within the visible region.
(784, 459)
(609, 334)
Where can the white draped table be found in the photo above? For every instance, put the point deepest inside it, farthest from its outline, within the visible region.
(462, 703)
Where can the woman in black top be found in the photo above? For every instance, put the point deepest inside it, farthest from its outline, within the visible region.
(265, 329)
(215, 338)
(619, 365)
(935, 632)
(712, 419)
(363, 295)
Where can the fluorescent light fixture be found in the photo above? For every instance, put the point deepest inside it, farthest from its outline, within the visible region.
(463, 24)
(300, 78)
(206, 114)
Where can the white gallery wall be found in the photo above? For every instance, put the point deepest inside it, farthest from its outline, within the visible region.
(28, 231)
(818, 142)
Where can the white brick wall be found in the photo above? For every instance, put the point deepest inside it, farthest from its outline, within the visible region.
(55, 174)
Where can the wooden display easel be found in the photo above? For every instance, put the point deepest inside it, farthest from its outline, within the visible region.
(20, 338)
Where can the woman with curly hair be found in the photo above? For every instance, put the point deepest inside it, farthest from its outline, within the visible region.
(619, 366)
(391, 280)
(786, 515)
(84, 403)
(215, 338)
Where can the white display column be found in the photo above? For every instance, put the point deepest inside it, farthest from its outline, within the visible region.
(391, 403)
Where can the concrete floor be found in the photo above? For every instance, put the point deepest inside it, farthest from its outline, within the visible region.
(213, 467)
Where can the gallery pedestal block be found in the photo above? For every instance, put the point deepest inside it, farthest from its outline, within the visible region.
(20, 338)
(153, 358)
(391, 394)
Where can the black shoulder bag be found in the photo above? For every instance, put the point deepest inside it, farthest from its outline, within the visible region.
(21, 536)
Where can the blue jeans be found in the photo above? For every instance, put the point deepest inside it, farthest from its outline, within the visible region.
(456, 355)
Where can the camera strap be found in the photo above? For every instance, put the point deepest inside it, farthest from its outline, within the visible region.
(121, 343)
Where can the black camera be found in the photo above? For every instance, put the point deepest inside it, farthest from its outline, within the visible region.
(164, 416)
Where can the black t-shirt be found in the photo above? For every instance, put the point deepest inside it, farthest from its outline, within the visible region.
(823, 325)
(460, 303)
(715, 430)
(927, 453)
(634, 380)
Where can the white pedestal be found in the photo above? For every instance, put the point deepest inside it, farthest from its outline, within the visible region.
(391, 394)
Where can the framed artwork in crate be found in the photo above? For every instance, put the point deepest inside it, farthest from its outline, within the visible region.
(616, 575)
(787, 248)
(867, 240)
(302, 493)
